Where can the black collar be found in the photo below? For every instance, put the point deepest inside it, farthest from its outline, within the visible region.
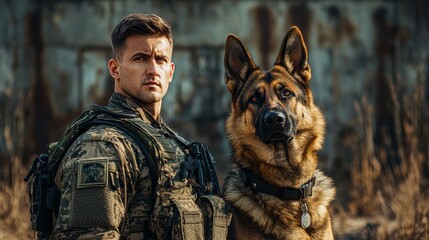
(258, 185)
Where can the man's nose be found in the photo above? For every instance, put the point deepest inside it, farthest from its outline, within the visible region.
(152, 68)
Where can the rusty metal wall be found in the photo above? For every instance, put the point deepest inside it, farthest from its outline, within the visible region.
(53, 62)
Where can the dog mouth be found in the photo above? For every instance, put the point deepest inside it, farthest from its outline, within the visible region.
(276, 137)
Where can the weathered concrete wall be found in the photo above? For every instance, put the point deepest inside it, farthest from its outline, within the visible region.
(53, 61)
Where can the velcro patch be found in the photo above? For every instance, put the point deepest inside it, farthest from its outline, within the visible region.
(92, 172)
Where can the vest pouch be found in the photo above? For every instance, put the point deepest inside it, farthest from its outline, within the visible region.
(188, 220)
(216, 217)
(176, 216)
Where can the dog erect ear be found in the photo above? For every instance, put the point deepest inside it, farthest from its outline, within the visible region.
(293, 54)
(238, 64)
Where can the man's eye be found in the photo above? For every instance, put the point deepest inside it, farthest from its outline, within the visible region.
(161, 60)
(140, 58)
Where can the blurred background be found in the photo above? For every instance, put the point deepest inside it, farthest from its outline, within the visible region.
(370, 77)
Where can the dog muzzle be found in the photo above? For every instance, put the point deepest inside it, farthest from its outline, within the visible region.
(274, 126)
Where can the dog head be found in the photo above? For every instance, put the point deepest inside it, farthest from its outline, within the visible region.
(272, 110)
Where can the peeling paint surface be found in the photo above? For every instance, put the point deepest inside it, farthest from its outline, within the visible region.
(53, 60)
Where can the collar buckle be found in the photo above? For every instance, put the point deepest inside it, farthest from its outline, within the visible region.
(307, 188)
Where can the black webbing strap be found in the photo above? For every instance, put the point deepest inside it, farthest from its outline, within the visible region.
(132, 131)
(258, 185)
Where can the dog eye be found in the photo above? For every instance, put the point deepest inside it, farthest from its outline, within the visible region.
(286, 94)
(255, 99)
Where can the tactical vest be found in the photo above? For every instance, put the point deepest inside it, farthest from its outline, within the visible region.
(180, 208)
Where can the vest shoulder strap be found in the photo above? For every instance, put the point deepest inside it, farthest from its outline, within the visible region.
(105, 116)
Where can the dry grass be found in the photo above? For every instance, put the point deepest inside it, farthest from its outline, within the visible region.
(394, 194)
(14, 213)
(14, 207)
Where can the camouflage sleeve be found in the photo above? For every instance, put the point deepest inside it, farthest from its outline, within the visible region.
(93, 193)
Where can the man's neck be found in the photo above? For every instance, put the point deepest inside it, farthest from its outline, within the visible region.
(154, 109)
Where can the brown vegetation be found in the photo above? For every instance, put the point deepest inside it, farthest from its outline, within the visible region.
(14, 207)
(14, 210)
(389, 182)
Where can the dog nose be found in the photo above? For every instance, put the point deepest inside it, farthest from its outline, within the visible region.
(275, 118)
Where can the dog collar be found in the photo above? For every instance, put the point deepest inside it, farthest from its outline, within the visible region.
(287, 193)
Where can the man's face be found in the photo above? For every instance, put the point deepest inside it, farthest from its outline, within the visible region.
(144, 69)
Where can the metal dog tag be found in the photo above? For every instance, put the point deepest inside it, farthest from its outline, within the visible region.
(305, 220)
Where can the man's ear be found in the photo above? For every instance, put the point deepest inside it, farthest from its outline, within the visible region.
(293, 54)
(172, 67)
(113, 66)
(238, 64)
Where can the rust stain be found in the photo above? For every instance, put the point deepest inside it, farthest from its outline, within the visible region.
(40, 103)
(264, 22)
(384, 46)
(301, 16)
(99, 94)
(340, 28)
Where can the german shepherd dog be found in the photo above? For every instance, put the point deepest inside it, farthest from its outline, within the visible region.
(275, 189)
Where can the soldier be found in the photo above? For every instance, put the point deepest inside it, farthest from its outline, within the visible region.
(108, 190)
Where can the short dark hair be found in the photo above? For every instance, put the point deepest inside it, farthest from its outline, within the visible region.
(138, 23)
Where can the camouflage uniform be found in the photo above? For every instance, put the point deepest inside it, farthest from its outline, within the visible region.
(106, 186)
